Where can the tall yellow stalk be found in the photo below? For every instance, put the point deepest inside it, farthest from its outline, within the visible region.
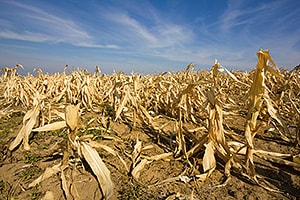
(256, 93)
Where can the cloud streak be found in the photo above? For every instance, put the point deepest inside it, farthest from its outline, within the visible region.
(47, 28)
(26, 36)
(155, 34)
(132, 26)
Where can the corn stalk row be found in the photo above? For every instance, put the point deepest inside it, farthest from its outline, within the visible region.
(196, 102)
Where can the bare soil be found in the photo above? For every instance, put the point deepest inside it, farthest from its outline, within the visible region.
(158, 180)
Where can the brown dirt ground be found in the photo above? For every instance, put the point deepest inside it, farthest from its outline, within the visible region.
(157, 180)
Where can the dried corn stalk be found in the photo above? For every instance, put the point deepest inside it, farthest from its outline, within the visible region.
(138, 163)
(216, 143)
(182, 107)
(29, 121)
(86, 152)
(256, 94)
(215, 72)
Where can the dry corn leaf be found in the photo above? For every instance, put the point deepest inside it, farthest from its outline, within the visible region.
(198, 145)
(202, 177)
(147, 147)
(52, 127)
(28, 123)
(100, 170)
(209, 161)
(274, 114)
(135, 156)
(110, 150)
(234, 77)
(66, 186)
(249, 134)
(50, 171)
(60, 114)
(137, 170)
(102, 146)
(273, 154)
(241, 149)
(74, 191)
(168, 180)
(273, 72)
(72, 116)
(160, 156)
(280, 161)
(228, 166)
(124, 163)
(121, 107)
(18, 139)
(146, 113)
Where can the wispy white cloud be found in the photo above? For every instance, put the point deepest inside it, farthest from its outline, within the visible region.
(150, 35)
(91, 45)
(260, 16)
(26, 36)
(235, 16)
(171, 34)
(131, 25)
(46, 27)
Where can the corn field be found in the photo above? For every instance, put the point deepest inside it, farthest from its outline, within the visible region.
(191, 115)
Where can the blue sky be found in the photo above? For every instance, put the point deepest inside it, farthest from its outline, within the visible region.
(147, 36)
